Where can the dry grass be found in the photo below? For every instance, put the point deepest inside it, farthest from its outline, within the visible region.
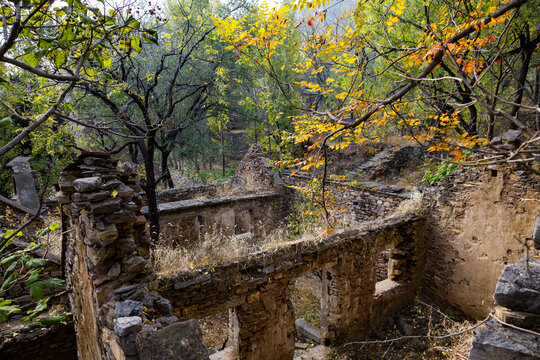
(422, 318)
(215, 248)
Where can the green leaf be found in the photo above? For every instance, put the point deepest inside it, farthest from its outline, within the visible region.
(8, 308)
(51, 320)
(107, 62)
(5, 122)
(8, 260)
(60, 58)
(33, 278)
(11, 267)
(88, 20)
(9, 280)
(37, 263)
(37, 291)
(30, 59)
(54, 283)
(55, 226)
(136, 44)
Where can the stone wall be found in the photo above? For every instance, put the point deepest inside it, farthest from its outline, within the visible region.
(353, 303)
(120, 312)
(188, 219)
(480, 219)
(108, 264)
(253, 201)
(29, 343)
(373, 201)
(364, 201)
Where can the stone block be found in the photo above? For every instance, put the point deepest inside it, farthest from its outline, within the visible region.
(87, 184)
(181, 341)
(498, 342)
(127, 325)
(307, 332)
(128, 308)
(166, 321)
(517, 288)
(106, 207)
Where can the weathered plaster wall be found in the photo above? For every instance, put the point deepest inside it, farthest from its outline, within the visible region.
(480, 222)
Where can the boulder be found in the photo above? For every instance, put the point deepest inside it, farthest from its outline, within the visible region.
(499, 342)
(518, 287)
(180, 341)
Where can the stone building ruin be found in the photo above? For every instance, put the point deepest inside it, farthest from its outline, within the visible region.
(123, 310)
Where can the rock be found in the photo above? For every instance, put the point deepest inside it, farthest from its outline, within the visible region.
(87, 184)
(536, 234)
(498, 342)
(114, 270)
(128, 308)
(127, 325)
(163, 305)
(181, 341)
(307, 332)
(511, 135)
(166, 321)
(106, 206)
(317, 353)
(516, 290)
(137, 265)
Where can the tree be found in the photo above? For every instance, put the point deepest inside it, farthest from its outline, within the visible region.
(61, 46)
(154, 93)
(426, 68)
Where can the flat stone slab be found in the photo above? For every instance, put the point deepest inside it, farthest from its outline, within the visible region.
(499, 342)
(518, 286)
(317, 353)
(307, 332)
(180, 341)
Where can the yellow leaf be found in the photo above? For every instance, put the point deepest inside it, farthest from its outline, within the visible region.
(114, 193)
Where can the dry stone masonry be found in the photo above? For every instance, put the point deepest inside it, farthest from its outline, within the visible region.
(518, 291)
(108, 263)
(118, 316)
(353, 304)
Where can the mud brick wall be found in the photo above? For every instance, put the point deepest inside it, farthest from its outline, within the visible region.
(481, 218)
(188, 219)
(353, 305)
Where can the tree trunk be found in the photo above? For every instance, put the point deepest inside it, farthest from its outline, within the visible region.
(222, 147)
(527, 52)
(167, 179)
(150, 189)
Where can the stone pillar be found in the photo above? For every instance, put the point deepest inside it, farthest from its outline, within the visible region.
(263, 329)
(108, 261)
(346, 297)
(25, 183)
